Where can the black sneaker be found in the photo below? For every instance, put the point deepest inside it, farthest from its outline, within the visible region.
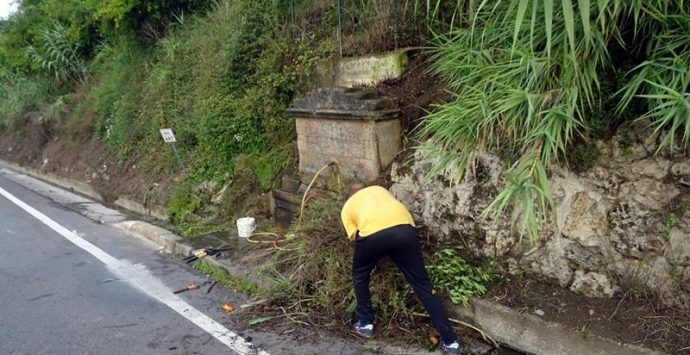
(362, 329)
(453, 348)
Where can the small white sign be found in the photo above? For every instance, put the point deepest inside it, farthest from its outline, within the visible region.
(167, 135)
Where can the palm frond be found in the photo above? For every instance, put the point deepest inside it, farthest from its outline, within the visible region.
(58, 55)
(526, 71)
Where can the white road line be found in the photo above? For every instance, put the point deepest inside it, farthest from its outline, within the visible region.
(139, 277)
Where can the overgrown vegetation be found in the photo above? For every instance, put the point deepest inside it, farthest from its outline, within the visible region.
(221, 77)
(314, 268)
(582, 156)
(19, 94)
(450, 273)
(219, 74)
(526, 77)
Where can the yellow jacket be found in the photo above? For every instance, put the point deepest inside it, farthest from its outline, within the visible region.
(372, 209)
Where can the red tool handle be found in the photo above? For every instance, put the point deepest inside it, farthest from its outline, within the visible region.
(192, 286)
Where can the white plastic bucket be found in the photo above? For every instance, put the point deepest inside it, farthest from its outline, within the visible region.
(245, 226)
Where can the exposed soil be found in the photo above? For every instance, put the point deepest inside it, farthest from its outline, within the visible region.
(85, 160)
(415, 92)
(632, 318)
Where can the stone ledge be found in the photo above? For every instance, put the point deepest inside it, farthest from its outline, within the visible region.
(532, 334)
(364, 70)
(171, 243)
(85, 189)
(67, 184)
(156, 212)
(175, 245)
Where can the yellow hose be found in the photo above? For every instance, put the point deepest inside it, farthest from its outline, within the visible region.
(304, 197)
(281, 238)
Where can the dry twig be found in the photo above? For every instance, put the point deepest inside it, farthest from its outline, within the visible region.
(481, 332)
(619, 304)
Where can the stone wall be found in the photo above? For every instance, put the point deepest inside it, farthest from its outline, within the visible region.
(623, 224)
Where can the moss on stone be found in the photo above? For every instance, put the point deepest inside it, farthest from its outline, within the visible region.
(583, 156)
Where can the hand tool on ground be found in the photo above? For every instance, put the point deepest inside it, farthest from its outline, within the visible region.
(192, 286)
(229, 307)
(208, 290)
(202, 253)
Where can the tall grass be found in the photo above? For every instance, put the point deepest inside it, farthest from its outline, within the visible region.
(116, 99)
(525, 74)
(19, 94)
(59, 55)
(663, 79)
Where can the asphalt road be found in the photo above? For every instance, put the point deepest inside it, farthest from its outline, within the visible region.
(72, 283)
(58, 298)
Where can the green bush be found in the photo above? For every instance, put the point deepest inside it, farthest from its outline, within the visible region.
(268, 166)
(58, 55)
(19, 94)
(225, 97)
(450, 273)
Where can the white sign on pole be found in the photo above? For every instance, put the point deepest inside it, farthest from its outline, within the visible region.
(167, 135)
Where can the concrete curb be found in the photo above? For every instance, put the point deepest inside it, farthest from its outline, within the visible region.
(535, 335)
(522, 331)
(168, 241)
(73, 186)
(156, 212)
(85, 189)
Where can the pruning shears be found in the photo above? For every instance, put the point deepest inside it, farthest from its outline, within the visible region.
(202, 253)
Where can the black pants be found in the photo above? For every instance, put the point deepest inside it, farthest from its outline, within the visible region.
(401, 243)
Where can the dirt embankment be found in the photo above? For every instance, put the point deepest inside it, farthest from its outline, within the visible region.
(84, 159)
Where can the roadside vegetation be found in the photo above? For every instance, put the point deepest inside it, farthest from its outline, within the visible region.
(312, 277)
(532, 80)
(221, 75)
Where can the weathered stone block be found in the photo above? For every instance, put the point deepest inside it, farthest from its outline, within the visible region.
(588, 258)
(585, 220)
(355, 129)
(285, 206)
(353, 145)
(358, 71)
(651, 168)
(593, 284)
(550, 263)
(681, 170)
(633, 230)
(652, 194)
(678, 248)
(608, 181)
(654, 274)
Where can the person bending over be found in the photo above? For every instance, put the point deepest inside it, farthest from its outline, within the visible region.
(380, 225)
